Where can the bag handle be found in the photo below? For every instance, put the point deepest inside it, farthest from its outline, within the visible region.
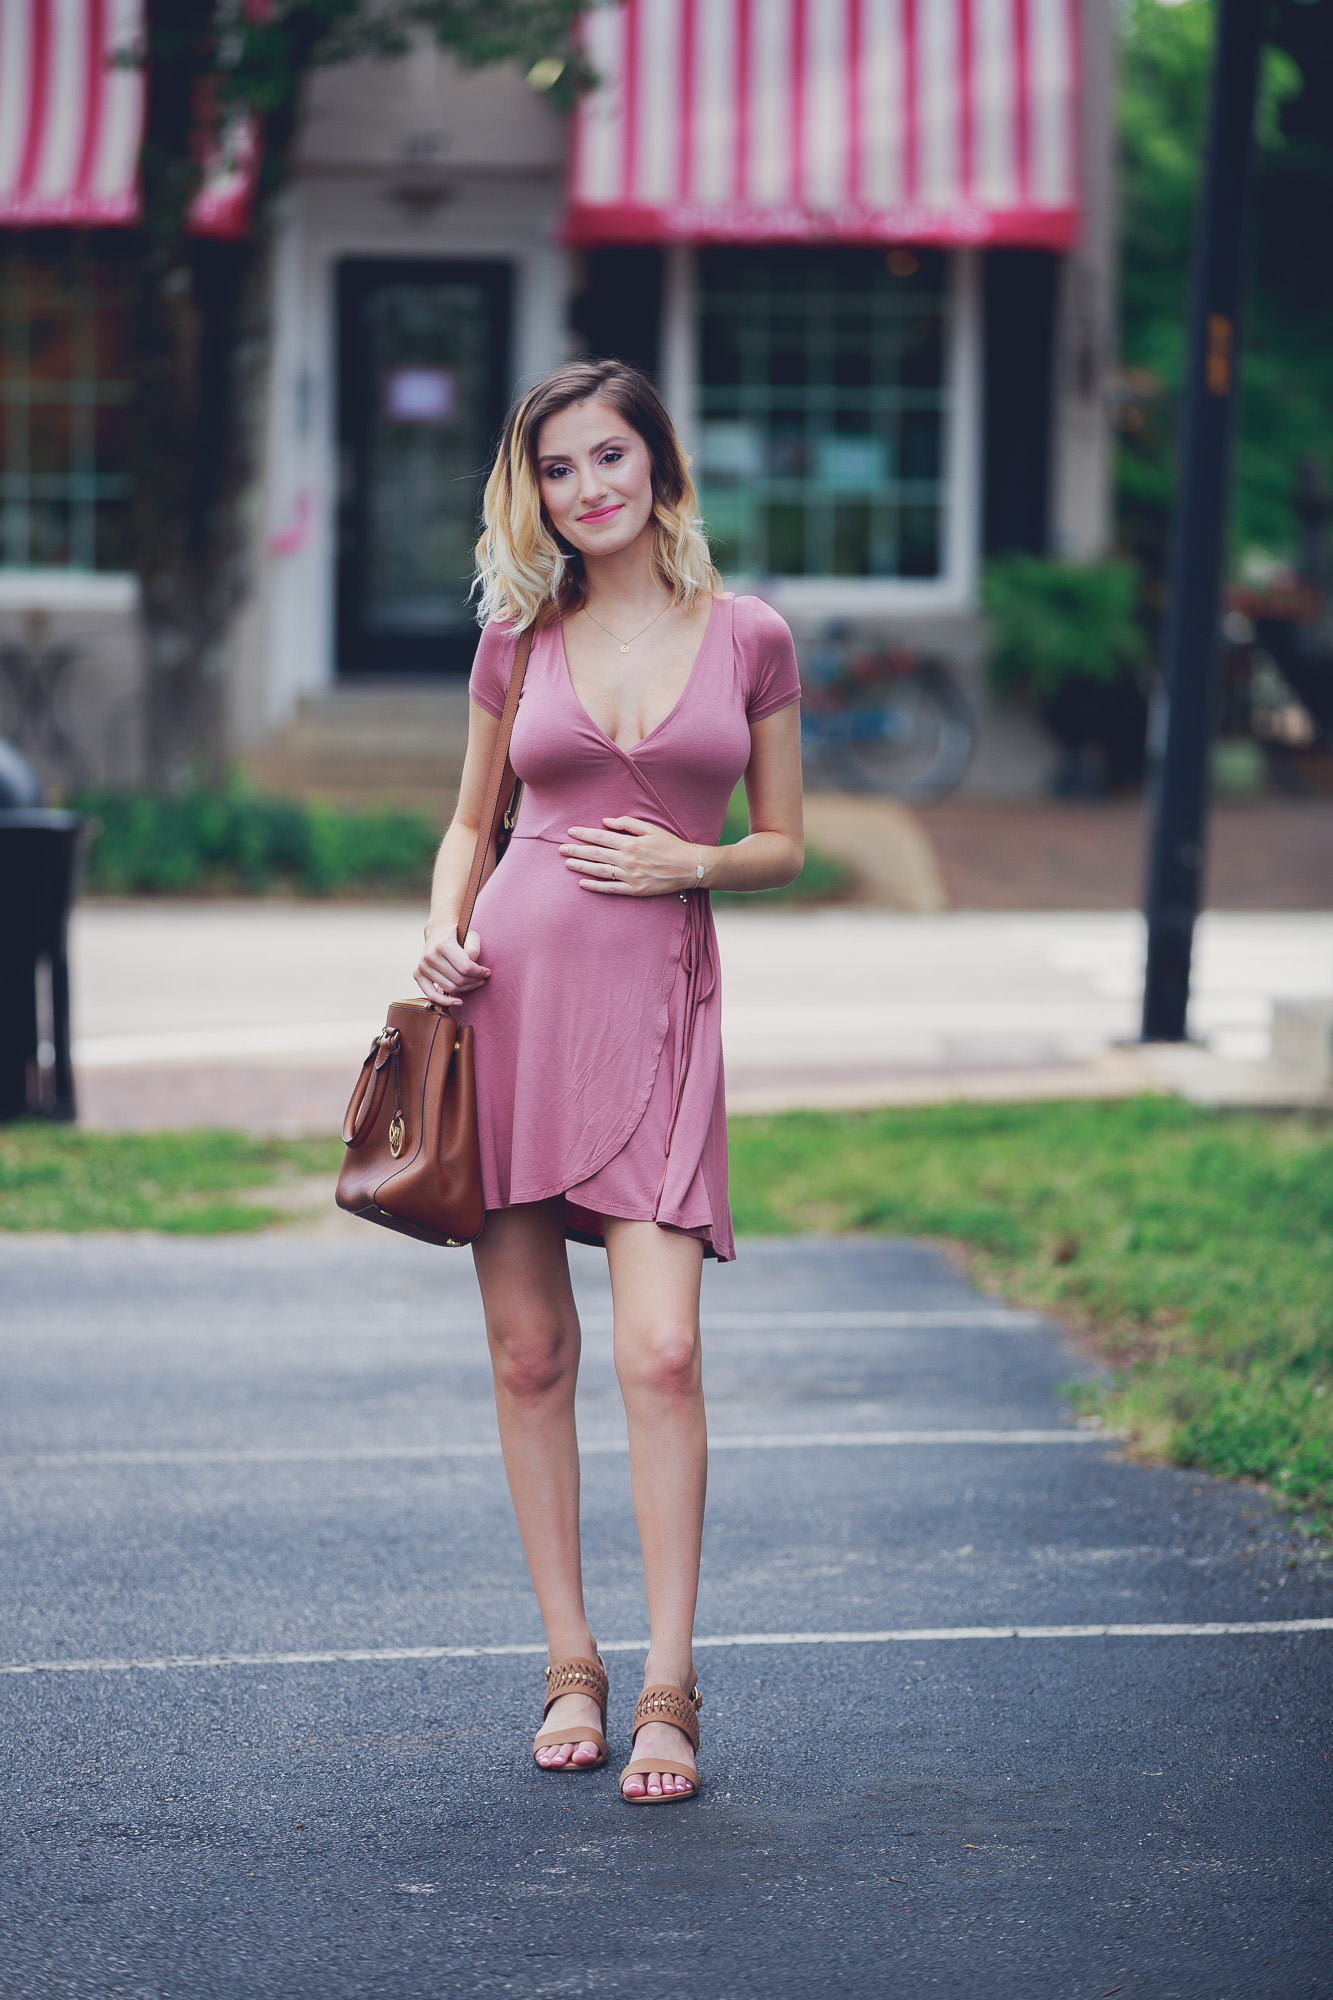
(367, 1092)
(498, 793)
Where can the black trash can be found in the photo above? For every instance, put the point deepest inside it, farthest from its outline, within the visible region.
(41, 852)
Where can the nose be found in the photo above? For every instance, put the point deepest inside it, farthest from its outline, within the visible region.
(591, 488)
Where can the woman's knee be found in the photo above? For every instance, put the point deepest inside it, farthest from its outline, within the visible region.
(533, 1355)
(661, 1359)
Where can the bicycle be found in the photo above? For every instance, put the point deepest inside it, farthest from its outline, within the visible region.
(882, 720)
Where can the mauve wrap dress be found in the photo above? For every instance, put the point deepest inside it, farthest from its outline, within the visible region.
(599, 1032)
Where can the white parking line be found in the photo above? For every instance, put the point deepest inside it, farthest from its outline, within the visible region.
(590, 1447)
(1261, 1628)
(913, 1636)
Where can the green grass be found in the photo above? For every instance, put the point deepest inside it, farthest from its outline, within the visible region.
(191, 1183)
(1194, 1250)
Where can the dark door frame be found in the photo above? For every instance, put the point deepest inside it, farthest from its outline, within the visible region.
(1020, 307)
(357, 277)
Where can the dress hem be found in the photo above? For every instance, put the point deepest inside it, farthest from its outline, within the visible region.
(573, 1235)
(702, 1232)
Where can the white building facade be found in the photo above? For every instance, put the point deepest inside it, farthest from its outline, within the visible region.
(865, 246)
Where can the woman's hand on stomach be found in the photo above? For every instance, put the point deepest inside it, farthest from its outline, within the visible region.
(632, 857)
(448, 970)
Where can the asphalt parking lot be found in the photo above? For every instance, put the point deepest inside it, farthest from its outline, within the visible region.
(271, 1662)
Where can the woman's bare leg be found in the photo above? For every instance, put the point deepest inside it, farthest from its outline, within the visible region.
(655, 1291)
(532, 1329)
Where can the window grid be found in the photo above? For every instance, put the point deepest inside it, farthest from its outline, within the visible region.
(59, 493)
(822, 402)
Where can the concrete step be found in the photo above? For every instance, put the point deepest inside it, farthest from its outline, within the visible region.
(398, 743)
(893, 861)
(1302, 1040)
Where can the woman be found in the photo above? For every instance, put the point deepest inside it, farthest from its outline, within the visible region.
(591, 978)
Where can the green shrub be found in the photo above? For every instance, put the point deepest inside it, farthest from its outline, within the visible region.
(1052, 620)
(233, 841)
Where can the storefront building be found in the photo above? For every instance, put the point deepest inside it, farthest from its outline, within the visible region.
(70, 120)
(864, 246)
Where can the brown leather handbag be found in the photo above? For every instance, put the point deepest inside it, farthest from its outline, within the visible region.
(412, 1161)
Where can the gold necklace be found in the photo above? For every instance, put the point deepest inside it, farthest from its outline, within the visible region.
(625, 644)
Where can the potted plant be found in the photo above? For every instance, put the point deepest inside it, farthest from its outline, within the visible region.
(1281, 626)
(1065, 636)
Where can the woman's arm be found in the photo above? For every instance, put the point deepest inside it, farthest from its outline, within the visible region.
(632, 857)
(773, 851)
(446, 969)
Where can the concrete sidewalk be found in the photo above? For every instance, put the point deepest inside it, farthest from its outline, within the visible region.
(987, 1710)
(257, 1014)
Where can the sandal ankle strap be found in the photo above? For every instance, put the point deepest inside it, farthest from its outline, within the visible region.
(577, 1677)
(669, 1704)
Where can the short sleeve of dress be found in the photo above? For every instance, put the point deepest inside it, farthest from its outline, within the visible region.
(488, 682)
(773, 681)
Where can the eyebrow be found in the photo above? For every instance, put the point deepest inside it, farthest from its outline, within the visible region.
(558, 457)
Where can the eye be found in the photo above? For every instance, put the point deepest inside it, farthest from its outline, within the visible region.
(612, 457)
(556, 471)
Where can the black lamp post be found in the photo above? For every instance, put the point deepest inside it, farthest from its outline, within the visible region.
(1180, 777)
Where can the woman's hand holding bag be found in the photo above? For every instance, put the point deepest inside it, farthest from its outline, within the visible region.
(413, 1162)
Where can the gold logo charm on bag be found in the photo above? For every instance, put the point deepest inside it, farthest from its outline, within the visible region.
(397, 1128)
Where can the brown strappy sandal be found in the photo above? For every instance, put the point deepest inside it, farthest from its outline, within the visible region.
(664, 1704)
(574, 1677)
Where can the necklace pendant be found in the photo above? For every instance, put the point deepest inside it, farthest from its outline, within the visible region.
(624, 649)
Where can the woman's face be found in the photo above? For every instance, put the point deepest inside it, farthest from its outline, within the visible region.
(595, 477)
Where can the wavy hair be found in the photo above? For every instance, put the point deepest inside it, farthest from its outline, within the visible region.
(526, 573)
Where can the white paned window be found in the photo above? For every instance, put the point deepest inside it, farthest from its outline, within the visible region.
(821, 401)
(64, 387)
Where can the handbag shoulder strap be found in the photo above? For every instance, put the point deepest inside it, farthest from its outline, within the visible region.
(499, 784)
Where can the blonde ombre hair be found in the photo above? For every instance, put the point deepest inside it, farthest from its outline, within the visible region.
(525, 572)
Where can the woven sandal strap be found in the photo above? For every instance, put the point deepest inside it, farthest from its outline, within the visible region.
(668, 1704)
(577, 1677)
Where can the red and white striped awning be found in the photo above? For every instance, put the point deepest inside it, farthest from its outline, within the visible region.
(71, 113)
(862, 121)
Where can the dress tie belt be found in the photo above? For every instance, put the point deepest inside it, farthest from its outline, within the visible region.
(698, 955)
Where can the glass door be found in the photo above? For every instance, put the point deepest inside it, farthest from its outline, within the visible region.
(423, 376)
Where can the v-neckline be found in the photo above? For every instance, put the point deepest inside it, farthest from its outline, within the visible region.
(657, 726)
